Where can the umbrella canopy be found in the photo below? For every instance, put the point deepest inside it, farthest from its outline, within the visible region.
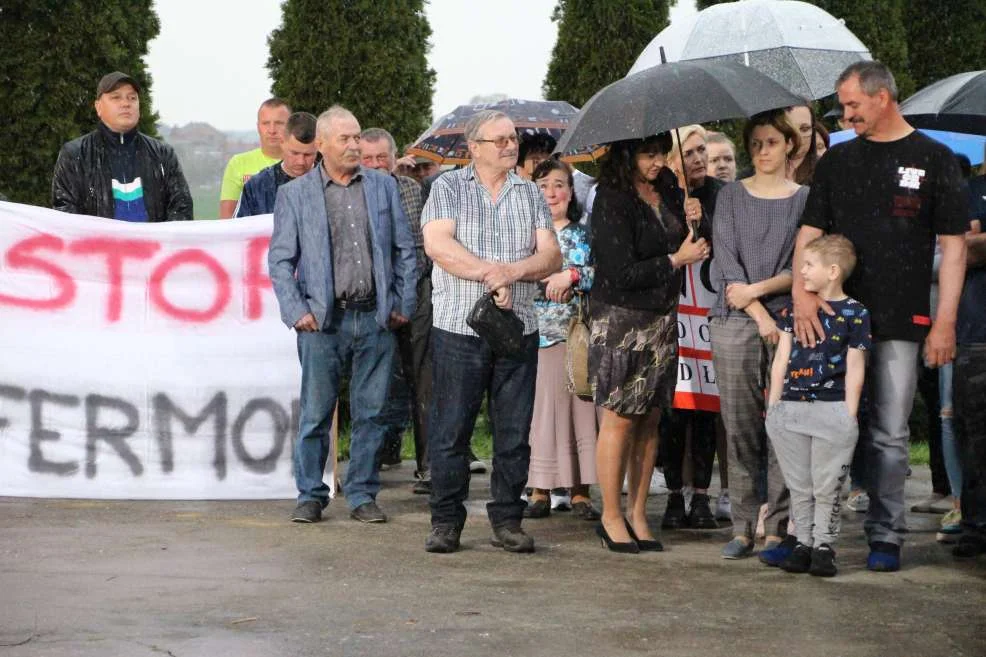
(671, 95)
(969, 145)
(956, 104)
(797, 44)
(443, 142)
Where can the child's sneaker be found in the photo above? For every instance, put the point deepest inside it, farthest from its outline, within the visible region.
(776, 554)
(800, 560)
(823, 561)
(951, 527)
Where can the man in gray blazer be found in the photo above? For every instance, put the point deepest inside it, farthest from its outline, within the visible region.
(342, 263)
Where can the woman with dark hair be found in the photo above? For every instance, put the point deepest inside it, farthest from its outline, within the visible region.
(754, 229)
(640, 245)
(801, 167)
(563, 432)
(821, 139)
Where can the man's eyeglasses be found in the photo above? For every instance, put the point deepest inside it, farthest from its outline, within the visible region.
(500, 142)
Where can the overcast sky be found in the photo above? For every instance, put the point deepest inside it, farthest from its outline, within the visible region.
(208, 63)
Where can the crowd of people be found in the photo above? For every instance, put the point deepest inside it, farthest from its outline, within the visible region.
(843, 277)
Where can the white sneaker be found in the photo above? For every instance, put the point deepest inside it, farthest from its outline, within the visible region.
(477, 467)
(561, 502)
(658, 485)
(858, 501)
(724, 508)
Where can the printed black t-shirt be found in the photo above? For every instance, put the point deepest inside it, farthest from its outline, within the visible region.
(890, 199)
(819, 373)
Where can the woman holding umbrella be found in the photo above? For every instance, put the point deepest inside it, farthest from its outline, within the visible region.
(690, 162)
(639, 242)
(755, 225)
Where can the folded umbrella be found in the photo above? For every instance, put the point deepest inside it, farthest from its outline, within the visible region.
(671, 95)
(955, 104)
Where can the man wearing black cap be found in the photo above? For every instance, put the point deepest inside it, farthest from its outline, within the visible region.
(116, 171)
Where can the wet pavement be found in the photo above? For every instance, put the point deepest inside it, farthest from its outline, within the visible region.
(236, 578)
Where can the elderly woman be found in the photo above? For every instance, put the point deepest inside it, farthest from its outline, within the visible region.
(563, 434)
(700, 425)
(639, 244)
(754, 230)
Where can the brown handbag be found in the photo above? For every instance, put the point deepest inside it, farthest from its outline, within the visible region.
(577, 351)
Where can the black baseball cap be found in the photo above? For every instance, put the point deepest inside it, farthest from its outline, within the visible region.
(111, 81)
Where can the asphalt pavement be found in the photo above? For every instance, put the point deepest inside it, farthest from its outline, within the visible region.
(237, 578)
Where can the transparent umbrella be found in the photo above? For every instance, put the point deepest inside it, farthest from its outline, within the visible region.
(800, 46)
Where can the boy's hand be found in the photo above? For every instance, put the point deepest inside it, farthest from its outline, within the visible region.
(939, 346)
(768, 330)
(807, 326)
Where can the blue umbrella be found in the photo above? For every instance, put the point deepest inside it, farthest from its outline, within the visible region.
(969, 145)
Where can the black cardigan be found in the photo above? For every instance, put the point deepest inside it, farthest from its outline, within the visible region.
(631, 248)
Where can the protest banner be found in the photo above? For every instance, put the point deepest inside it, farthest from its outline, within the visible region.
(696, 389)
(142, 361)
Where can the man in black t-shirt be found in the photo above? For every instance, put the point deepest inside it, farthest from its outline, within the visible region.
(890, 191)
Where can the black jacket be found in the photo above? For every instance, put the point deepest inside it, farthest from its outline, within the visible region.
(630, 246)
(82, 180)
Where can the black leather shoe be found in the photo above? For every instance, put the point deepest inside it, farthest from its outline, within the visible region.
(643, 545)
(538, 509)
(512, 539)
(613, 546)
(443, 540)
(368, 512)
(308, 512)
(700, 516)
(675, 516)
(969, 547)
(585, 511)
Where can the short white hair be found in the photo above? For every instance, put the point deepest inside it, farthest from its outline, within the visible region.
(330, 115)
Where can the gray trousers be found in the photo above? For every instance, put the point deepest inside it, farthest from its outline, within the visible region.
(742, 362)
(814, 442)
(891, 379)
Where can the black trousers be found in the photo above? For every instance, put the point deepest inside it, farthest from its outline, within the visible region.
(969, 402)
(672, 447)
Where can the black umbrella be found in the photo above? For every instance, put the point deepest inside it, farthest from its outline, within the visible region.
(955, 104)
(670, 95)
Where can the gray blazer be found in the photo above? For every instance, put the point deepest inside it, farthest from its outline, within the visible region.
(300, 260)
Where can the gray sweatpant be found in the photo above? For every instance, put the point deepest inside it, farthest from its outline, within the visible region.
(814, 443)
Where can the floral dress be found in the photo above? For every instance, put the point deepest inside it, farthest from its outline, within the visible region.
(553, 317)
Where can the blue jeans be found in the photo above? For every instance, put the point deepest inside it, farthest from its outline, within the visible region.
(949, 447)
(352, 342)
(464, 369)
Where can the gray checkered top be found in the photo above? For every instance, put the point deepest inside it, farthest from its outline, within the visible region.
(502, 230)
(410, 191)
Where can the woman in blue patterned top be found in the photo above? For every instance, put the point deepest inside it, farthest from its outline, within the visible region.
(563, 433)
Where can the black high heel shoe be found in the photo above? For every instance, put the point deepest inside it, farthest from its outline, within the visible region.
(625, 548)
(642, 545)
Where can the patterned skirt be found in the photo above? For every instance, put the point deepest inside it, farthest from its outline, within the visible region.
(633, 358)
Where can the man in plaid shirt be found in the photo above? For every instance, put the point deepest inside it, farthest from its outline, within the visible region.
(486, 229)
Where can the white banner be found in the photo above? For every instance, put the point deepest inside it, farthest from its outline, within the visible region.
(696, 387)
(142, 361)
